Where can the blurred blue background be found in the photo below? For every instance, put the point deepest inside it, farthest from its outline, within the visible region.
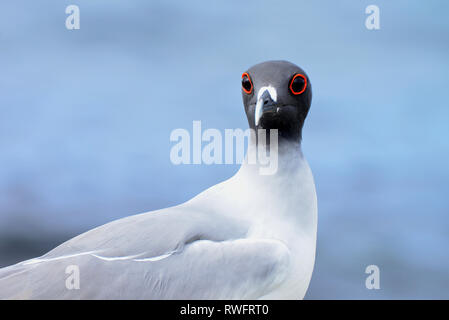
(86, 115)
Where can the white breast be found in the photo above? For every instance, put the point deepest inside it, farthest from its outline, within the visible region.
(281, 207)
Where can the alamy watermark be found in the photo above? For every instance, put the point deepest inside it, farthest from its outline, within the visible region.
(372, 22)
(73, 20)
(72, 282)
(373, 280)
(209, 147)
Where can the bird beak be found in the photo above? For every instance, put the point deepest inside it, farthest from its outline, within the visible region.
(265, 105)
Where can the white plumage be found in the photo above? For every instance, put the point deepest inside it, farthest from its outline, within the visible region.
(250, 237)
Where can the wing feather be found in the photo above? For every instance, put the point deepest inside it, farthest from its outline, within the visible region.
(167, 254)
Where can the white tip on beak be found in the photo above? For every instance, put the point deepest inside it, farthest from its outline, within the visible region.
(259, 105)
(258, 112)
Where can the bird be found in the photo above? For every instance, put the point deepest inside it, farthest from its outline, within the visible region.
(252, 236)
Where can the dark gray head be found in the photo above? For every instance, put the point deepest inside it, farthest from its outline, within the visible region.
(277, 95)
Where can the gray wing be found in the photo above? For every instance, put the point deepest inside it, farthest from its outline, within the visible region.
(175, 253)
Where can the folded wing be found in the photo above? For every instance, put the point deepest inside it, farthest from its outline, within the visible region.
(175, 253)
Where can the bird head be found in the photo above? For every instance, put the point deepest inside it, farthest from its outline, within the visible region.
(277, 95)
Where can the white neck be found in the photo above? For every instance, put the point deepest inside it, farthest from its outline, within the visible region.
(286, 197)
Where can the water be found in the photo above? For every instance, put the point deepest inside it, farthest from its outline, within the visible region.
(86, 115)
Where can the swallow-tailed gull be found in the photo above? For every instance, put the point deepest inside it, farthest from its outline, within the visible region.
(250, 237)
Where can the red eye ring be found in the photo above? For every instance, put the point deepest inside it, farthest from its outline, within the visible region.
(291, 83)
(247, 91)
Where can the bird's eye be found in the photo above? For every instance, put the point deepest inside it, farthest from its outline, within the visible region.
(298, 84)
(247, 85)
